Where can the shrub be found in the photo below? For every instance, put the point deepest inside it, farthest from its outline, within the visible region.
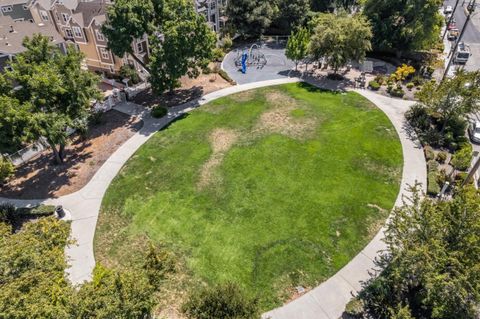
(158, 263)
(7, 169)
(354, 308)
(429, 153)
(380, 79)
(397, 92)
(442, 157)
(403, 72)
(37, 211)
(418, 117)
(432, 166)
(159, 111)
(433, 188)
(374, 85)
(225, 76)
(129, 72)
(218, 54)
(410, 85)
(225, 301)
(227, 43)
(418, 80)
(462, 159)
(7, 213)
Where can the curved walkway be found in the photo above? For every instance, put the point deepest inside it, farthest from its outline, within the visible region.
(328, 300)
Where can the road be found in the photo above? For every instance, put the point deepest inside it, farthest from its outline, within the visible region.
(472, 33)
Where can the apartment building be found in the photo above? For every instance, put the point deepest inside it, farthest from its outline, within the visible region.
(213, 11)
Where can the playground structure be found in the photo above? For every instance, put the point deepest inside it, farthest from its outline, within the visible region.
(251, 57)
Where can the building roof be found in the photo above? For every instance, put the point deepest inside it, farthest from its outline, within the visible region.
(86, 12)
(12, 34)
(12, 2)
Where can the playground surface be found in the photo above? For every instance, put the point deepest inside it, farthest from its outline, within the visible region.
(276, 67)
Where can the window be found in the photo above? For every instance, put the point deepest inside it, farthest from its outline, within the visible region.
(139, 47)
(44, 15)
(104, 53)
(7, 9)
(99, 35)
(68, 33)
(65, 17)
(77, 32)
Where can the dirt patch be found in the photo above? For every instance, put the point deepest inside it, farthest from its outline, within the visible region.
(221, 141)
(190, 89)
(41, 178)
(278, 98)
(281, 121)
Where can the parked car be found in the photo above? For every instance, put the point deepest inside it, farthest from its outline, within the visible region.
(452, 25)
(447, 18)
(448, 10)
(474, 131)
(453, 34)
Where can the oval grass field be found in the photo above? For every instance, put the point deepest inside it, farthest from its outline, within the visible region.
(271, 188)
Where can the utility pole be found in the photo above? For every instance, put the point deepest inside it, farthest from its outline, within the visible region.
(450, 20)
(471, 9)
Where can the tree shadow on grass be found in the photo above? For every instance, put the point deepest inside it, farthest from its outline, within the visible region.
(179, 96)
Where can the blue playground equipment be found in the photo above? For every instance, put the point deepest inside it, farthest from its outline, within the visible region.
(252, 57)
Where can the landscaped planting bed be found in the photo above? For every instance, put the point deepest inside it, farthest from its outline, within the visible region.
(272, 188)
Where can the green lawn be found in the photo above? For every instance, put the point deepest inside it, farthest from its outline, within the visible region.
(271, 188)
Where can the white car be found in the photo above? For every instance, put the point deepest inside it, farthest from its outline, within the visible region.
(448, 10)
(474, 131)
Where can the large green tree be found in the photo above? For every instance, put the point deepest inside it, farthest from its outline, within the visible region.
(250, 18)
(404, 25)
(33, 282)
(180, 41)
(340, 38)
(291, 14)
(45, 93)
(452, 98)
(431, 266)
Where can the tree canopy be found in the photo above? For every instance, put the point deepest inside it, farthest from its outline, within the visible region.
(46, 92)
(180, 41)
(404, 25)
(33, 283)
(340, 38)
(430, 268)
(297, 45)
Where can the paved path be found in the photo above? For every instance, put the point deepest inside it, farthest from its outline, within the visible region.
(328, 300)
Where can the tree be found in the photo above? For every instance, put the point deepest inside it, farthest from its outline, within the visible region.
(46, 92)
(226, 301)
(180, 41)
(291, 14)
(340, 38)
(297, 45)
(33, 283)
(430, 268)
(251, 18)
(404, 25)
(452, 98)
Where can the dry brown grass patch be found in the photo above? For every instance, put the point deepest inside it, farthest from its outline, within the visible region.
(221, 140)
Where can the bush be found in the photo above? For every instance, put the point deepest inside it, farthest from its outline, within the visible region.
(429, 153)
(158, 263)
(354, 308)
(225, 76)
(442, 157)
(225, 301)
(7, 213)
(418, 80)
(218, 55)
(403, 72)
(397, 92)
(433, 187)
(432, 166)
(7, 169)
(410, 85)
(462, 159)
(380, 79)
(227, 43)
(374, 85)
(129, 72)
(159, 111)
